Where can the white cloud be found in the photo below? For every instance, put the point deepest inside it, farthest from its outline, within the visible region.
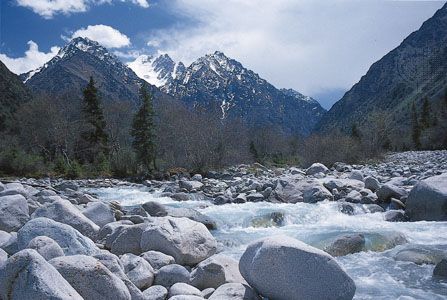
(48, 8)
(105, 35)
(308, 45)
(33, 59)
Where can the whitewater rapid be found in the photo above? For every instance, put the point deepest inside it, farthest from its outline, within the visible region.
(377, 274)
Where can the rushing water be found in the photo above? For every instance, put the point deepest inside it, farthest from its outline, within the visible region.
(377, 274)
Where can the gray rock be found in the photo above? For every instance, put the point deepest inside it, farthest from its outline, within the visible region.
(181, 197)
(13, 212)
(11, 246)
(215, 271)
(155, 292)
(69, 239)
(440, 270)
(66, 185)
(100, 213)
(192, 214)
(3, 257)
(395, 216)
(189, 242)
(234, 291)
(388, 191)
(90, 278)
(157, 259)
(386, 240)
(316, 168)
(373, 208)
(273, 219)
(186, 297)
(197, 177)
(14, 188)
(181, 288)
(155, 209)
(108, 229)
(353, 197)
(126, 239)
(317, 193)
(372, 183)
(428, 200)
(64, 212)
(26, 275)
(86, 199)
(255, 197)
(420, 255)
(46, 192)
(138, 270)
(396, 204)
(190, 185)
(346, 244)
(171, 274)
(356, 175)
(45, 246)
(4, 238)
(208, 292)
(281, 267)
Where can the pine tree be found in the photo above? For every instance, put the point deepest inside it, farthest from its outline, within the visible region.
(416, 134)
(425, 114)
(94, 136)
(254, 152)
(143, 131)
(355, 133)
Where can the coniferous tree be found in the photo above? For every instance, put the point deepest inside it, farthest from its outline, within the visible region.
(143, 131)
(425, 114)
(416, 133)
(355, 132)
(254, 152)
(94, 136)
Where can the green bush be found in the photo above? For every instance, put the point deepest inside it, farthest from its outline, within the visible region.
(17, 162)
(123, 163)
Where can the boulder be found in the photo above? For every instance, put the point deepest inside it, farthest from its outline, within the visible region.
(310, 190)
(69, 239)
(13, 212)
(90, 278)
(189, 242)
(100, 213)
(395, 216)
(316, 168)
(4, 238)
(64, 212)
(283, 268)
(11, 245)
(420, 255)
(171, 274)
(155, 292)
(234, 291)
(126, 239)
(215, 271)
(440, 270)
(45, 246)
(208, 292)
(428, 200)
(14, 188)
(346, 244)
(157, 259)
(388, 191)
(273, 219)
(186, 297)
(317, 193)
(372, 183)
(138, 270)
(181, 288)
(385, 240)
(27, 275)
(190, 185)
(356, 175)
(255, 197)
(66, 185)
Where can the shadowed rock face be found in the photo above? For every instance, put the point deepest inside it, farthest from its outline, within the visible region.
(414, 70)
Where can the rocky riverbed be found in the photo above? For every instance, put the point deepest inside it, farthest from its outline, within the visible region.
(373, 231)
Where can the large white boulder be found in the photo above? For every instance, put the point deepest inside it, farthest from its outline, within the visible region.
(14, 212)
(138, 270)
(283, 268)
(428, 200)
(27, 275)
(316, 168)
(90, 278)
(64, 212)
(45, 246)
(189, 242)
(69, 239)
(100, 213)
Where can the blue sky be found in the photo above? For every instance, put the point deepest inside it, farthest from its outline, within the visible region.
(318, 47)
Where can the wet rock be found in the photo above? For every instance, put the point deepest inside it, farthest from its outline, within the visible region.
(100, 213)
(372, 183)
(273, 219)
(45, 246)
(356, 175)
(316, 193)
(181, 197)
(440, 270)
(64, 212)
(428, 200)
(189, 242)
(353, 197)
(171, 274)
(421, 255)
(281, 267)
(26, 275)
(388, 191)
(69, 239)
(316, 168)
(373, 208)
(234, 291)
(346, 244)
(90, 278)
(11, 246)
(255, 197)
(64, 186)
(13, 212)
(395, 216)
(157, 259)
(190, 185)
(346, 208)
(3, 257)
(387, 240)
(215, 271)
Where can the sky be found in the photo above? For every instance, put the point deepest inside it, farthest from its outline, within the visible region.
(317, 47)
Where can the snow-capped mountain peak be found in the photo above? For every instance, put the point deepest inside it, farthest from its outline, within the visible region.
(155, 70)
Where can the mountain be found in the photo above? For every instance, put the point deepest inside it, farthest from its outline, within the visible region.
(70, 70)
(223, 86)
(414, 71)
(13, 93)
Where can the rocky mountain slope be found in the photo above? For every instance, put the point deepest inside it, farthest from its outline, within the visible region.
(12, 93)
(413, 71)
(223, 86)
(81, 58)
